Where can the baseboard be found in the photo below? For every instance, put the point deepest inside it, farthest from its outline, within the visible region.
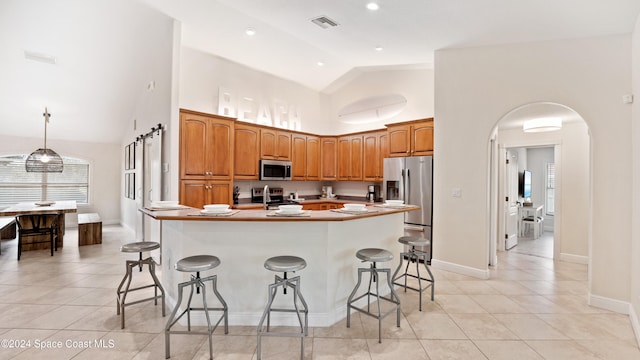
(635, 324)
(621, 307)
(460, 269)
(578, 259)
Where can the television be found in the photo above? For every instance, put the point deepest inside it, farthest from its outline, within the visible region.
(526, 184)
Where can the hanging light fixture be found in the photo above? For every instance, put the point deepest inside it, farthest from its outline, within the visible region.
(542, 124)
(44, 160)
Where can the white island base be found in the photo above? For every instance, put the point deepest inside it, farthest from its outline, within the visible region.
(329, 248)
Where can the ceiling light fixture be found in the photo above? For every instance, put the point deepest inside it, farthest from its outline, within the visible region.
(250, 31)
(373, 6)
(542, 124)
(378, 48)
(44, 160)
(320, 63)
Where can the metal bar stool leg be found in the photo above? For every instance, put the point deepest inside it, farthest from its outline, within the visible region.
(197, 264)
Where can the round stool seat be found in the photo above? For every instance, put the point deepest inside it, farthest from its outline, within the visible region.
(374, 255)
(139, 246)
(285, 263)
(197, 263)
(413, 241)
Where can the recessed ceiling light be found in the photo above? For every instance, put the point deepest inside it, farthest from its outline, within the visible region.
(373, 6)
(250, 31)
(320, 63)
(378, 48)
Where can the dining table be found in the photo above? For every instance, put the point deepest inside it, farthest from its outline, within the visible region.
(59, 208)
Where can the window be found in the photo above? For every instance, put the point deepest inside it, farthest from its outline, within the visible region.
(550, 189)
(17, 185)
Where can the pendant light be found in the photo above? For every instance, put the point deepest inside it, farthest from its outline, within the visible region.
(44, 160)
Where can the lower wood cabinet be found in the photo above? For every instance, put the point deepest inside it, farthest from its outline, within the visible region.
(197, 193)
(321, 206)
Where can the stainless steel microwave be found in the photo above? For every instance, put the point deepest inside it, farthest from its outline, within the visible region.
(275, 170)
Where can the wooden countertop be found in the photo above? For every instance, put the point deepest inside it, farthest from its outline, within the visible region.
(193, 214)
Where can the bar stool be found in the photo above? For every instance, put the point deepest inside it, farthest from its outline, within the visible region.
(373, 256)
(197, 264)
(414, 255)
(285, 264)
(139, 247)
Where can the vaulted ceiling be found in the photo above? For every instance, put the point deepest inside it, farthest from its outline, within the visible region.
(95, 80)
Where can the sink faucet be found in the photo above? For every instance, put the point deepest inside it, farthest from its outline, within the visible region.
(265, 197)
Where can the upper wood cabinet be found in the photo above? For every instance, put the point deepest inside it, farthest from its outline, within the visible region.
(373, 154)
(329, 158)
(246, 153)
(350, 157)
(305, 157)
(413, 138)
(275, 144)
(206, 143)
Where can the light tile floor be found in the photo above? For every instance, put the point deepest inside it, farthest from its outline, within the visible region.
(63, 307)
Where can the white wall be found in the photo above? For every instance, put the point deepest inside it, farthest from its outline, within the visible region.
(152, 107)
(105, 164)
(201, 76)
(416, 85)
(475, 87)
(635, 195)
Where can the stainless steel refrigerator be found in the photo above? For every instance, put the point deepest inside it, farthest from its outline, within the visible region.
(411, 179)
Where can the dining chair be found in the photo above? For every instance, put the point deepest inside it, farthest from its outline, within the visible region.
(38, 225)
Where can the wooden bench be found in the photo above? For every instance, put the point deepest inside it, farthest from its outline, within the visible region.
(89, 229)
(7, 228)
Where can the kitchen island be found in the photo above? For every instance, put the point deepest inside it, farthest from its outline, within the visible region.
(327, 240)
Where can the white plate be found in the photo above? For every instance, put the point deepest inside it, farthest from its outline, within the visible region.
(354, 209)
(288, 212)
(207, 212)
(394, 202)
(161, 204)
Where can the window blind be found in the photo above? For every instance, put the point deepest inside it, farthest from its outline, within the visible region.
(17, 185)
(550, 188)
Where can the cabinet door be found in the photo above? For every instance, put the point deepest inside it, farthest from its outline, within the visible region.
(193, 193)
(399, 140)
(275, 145)
(371, 156)
(193, 140)
(219, 149)
(344, 158)
(356, 158)
(313, 158)
(220, 193)
(384, 153)
(299, 157)
(283, 145)
(422, 139)
(329, 158)
(246, 152)
(268, 139)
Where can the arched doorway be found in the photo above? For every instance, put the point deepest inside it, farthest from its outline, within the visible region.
(571, 191)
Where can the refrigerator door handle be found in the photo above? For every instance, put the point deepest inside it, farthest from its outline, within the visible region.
(407, 193)
(403, 185)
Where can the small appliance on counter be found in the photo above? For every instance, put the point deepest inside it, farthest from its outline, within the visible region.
(373, 193)
(327, 192)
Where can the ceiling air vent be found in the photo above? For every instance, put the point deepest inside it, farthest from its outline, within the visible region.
(324, 22)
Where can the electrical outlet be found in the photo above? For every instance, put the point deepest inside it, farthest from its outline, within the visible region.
(456, 192)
